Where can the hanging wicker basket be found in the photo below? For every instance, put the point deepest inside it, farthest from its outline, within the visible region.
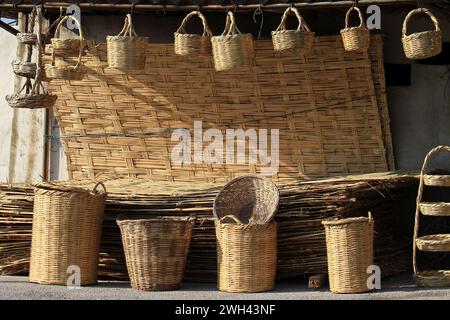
(355, 38)
(187, 44)
(67, 224)
(434, 243)
(27, 38)
(232, 49)
(252, 199)
(24, 69)
(156, 251)
(63, 46)
(349, 253)
(246, 255)
(422, 45)
(34, 99)
(126, 51)
(299, 40)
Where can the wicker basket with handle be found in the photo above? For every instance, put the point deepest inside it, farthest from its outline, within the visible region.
(34, 98)
(349, 253)
(355, 38)
(232, 49)
(422, 45)
(63, 46)
(126, 51)
(299, 40)
(67, 224)
(187, 44)
(156, 251)
(246, 255)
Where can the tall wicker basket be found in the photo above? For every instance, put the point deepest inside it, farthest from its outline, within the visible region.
(299, 40)
(246, 255)
(349, 253)
(126, 51)
(187, 44)
(232, 49)
(422, 45)
(355, 38)
(156, 251)
(67, 224)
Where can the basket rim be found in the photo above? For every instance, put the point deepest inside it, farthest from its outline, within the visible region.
(441, 238)
(416, 34)
(123, 38)
(337, 221)
(275, 32)
(191, 35)
(49, 186)
(434, 204)
(230, 36)
(358, 28)
(27, 96)
(427, 274)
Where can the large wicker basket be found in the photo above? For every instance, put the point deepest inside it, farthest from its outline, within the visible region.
(232, 49)
(246, 255)
(349, 253)
(126, 51)
(252, 199)
(156, 251)
(299, 40)
(187, 44)
(63, 46)
(422, 45)
(355, 38)
(67, 224)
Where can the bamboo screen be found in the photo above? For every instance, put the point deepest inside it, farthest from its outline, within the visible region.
(330, 109)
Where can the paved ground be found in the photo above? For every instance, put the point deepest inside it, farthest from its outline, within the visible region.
(400, 287)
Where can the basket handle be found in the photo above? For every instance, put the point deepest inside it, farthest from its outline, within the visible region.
(360, 15)
(301, 22)
(58, 27)
(230, 26)
(206, 30)
(232, 217)
(128, 29)
(94, 190)
(417, 11)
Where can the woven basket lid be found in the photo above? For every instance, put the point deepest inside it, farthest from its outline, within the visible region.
(251, 199)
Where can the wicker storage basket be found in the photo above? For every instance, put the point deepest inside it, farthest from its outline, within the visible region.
(434, 243)
(156, 251)
(355, 38)
(63, 46)
(299, 40)
(252, 199)
(246, 255)
(24, 69)
(438, 209)
(67, 72)
(67, 226)
(349, 253)
(434, 278)
(422, 45)
(126, 51)
(187, 44)
(34, 99)
(232, 49)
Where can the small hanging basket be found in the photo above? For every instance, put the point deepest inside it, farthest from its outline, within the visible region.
(232, 49)
(27, 38)
(126, 51)
(187, 44)
(62, 46)
(33, 99)
(422, 45)
(24, 69)
(355, 38)
(299, 40)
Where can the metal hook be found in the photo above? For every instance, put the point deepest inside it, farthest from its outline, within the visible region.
(235, 7)
(259, 11)
(132, 8)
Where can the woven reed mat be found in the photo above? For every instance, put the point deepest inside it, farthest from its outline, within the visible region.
(331, 111)
(301, 239)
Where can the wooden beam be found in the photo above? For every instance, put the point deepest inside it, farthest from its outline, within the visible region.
(8, 28)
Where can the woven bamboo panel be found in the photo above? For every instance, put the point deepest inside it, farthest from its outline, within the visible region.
(330, 111)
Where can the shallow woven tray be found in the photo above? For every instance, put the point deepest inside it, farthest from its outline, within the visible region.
(434, 243)
(435, 278)
(435, 180)
(439, 209)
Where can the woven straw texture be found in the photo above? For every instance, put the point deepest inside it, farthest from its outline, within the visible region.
(299, 40)
(67, 226)
(434, 243)
(349, 253)
(156, 251)
(422, 45)
(196, 44)
(24, 69)
(246, 256)
(435, 180)
(331, 112)
(251, 199)
(232, 49)
(438, 209)
(26, 38)
(355, 38)
(126, 51)
(434, 278)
